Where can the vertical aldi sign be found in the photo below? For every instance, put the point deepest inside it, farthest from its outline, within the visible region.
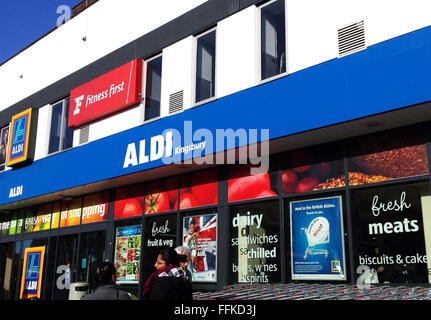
(21, 142)
(107, 94)
(32, 269)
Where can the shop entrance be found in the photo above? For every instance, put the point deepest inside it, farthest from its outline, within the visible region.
(77, 259)
(8, 270)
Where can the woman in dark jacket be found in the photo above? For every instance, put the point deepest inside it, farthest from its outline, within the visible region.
(169, 281)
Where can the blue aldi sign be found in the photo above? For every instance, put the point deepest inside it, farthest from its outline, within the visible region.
(21, 146)
(31, 281)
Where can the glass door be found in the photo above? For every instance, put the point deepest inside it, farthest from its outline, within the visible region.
(65, 266)
(8, 270)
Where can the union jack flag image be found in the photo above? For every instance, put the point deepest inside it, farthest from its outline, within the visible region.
(200, 235)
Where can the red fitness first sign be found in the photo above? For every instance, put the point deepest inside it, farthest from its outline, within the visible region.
(107, 94)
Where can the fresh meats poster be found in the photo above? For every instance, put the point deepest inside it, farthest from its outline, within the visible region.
(200, 236)
(128, 253)
(317, 239)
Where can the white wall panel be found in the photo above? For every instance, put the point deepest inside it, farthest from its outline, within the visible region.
(312, 25)
(236, 52)
(114, 124)
(108, 25)
(43, 123)
(177, 73)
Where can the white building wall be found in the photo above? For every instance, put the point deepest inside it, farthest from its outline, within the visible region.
(236, 52)
(312, 25)
(177, 63)
(108, 25)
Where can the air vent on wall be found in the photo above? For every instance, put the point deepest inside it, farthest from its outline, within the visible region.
(351, 38)
(84, 133)
(176, 102)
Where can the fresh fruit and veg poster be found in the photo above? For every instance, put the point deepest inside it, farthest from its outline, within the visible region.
(128, 253)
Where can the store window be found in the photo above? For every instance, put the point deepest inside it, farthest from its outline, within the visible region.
(313, 169)
(392, 234)
(129, 201)
(60, 135)
(200, 236)
(161, 195)
(7, 270)
(4, 139)
(273, 39)
(66, 266)
(153, 85)
(254, 244)
(386, 156)
(244, 185)
(205, 66)
(199, 189)
(160, 233)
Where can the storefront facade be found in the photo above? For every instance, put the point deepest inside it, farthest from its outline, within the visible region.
(343, 149)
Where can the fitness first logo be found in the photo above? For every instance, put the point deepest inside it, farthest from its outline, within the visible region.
(78, 103)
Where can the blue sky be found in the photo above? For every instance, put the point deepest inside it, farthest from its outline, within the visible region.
(24, 21)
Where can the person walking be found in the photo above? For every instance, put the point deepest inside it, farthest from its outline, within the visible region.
(169, 280)
(105, 278)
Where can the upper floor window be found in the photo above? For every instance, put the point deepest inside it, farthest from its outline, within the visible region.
(60, 135)
(4, 138)
(272, 39)
(205, 66)
(153, 85)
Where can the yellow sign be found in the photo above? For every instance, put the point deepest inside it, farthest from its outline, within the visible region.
(32, 269)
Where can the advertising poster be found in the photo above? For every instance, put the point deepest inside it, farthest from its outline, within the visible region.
(200, 236)
(391, 232)
(95, 208)
(386, 156)
(56, 212)
(242, 185)
(317, 244)
(199, 189)
(255, 243)
(161, 233)
(71, 212)
(129, 202)
(128, 253)
(4, 138)
(311, 170)
(32, 269)
(161, 195)
(43, 218)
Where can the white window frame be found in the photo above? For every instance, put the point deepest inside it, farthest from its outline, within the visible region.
(63, 125)
(194, 68)
(144, 89)
(259, 44)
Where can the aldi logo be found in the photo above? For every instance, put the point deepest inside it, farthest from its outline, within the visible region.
(20, 146)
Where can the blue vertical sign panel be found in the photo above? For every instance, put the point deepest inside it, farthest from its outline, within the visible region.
(317, 243)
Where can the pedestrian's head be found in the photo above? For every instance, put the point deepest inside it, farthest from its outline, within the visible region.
(184, 251)
(106, 273)
(167, 257)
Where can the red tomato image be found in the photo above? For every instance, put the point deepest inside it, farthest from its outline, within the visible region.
(187, 200)
(243, 186)
(157, 202)
(266, 193)
(302, 168)
(170, 186)
(288, 180)
(128, 208)
(320, 170)
(306, 184)
(205, 187)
